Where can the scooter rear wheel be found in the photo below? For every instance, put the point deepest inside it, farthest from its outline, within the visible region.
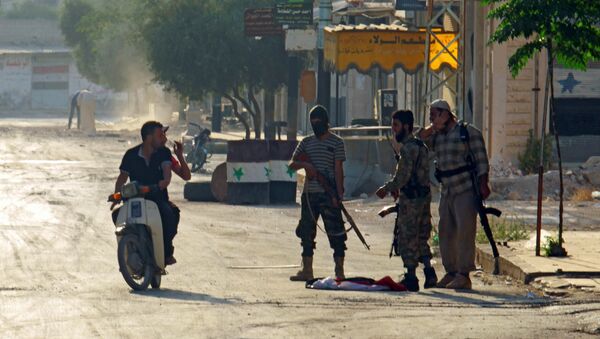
(135, 271)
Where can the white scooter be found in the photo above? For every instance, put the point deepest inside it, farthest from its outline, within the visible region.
(140, 237)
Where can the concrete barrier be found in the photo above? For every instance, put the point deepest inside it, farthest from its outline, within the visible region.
(248, 172)
(87, 104)
(283, 180)
(198, 191)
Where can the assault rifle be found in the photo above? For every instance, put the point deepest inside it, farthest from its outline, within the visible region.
(482, 209)
(483, 212)
(383, 213)
(337, 200)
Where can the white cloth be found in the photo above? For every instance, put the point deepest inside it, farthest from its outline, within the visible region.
(329, 283)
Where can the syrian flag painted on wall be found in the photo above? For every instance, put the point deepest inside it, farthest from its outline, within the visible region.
(280, 154)
(258, 161)
(248, 161)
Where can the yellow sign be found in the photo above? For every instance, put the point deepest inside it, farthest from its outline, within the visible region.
(364, 50)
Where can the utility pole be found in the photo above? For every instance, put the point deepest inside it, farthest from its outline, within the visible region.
(292, 95)
(324, 76)
(217, 114)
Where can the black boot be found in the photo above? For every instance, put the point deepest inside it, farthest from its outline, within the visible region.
(430, 277)
(411, 282)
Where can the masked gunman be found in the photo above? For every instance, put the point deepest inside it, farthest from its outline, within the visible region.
(325, 153)
(410, 185)
(459, 150)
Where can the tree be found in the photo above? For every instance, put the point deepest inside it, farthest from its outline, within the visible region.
(568, 31)
(196, 47)
(71, 15)
(106, 46)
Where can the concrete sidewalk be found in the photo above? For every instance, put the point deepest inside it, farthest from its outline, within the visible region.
(518, 260)
(239, 135)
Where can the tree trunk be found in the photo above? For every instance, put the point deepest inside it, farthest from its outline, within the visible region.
(541, 168)
(257, 111)
(234, 107)
(292, 97)
(557, 138)
(269, 110)
(246, 105)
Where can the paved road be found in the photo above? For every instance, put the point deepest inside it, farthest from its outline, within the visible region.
(59, 275)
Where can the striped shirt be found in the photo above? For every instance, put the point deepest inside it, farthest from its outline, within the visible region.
(323, 154)
(451, 153)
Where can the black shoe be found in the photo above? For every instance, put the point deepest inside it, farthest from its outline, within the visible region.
(170, 261)
(430, 277)
(410, 282)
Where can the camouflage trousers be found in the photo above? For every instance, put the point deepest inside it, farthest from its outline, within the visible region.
(315, 205)
(413, 230)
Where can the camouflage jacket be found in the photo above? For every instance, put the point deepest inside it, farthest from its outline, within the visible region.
(413, 153)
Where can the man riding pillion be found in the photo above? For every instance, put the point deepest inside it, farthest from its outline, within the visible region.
(411, 186)
(327, 153)
(151, 163)
(179, 164)
(459, 150)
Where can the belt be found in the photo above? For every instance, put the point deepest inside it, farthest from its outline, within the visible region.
(453, 172)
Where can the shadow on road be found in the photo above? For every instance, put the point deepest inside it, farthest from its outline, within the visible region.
(186, 296)
(475, 298)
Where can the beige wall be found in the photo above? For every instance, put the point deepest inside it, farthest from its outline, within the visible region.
(509, 103)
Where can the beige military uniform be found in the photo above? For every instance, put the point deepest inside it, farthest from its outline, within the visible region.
(458, 209)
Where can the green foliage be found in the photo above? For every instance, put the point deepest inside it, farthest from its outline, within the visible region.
(196, 47)
(570, 27)
(105, 44)
(435, 237)
(30, 9)
(182, 39)
(72, 14)
(552, 247)
(529, 159)
(505, 229)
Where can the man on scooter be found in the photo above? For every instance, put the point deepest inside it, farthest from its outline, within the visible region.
(150, 163)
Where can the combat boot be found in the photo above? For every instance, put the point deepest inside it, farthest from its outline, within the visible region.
(460, 282)
(430, 277)
(446, 280)
(306, 273)
(411, 282)
(339, 268)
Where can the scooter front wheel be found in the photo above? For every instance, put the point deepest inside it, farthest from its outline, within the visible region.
(137, 273)
(155, 282)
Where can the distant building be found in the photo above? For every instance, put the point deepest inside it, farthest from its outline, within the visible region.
(37, 71)
(503, 107)
(6, 5)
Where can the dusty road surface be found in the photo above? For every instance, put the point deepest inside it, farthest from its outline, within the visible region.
(59, 274)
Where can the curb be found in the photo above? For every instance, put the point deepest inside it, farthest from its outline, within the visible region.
(522, 271)
(486, 260)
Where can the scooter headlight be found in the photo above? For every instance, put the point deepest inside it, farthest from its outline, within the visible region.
(129, 190)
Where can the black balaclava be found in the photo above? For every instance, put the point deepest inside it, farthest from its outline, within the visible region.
(321, 127)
